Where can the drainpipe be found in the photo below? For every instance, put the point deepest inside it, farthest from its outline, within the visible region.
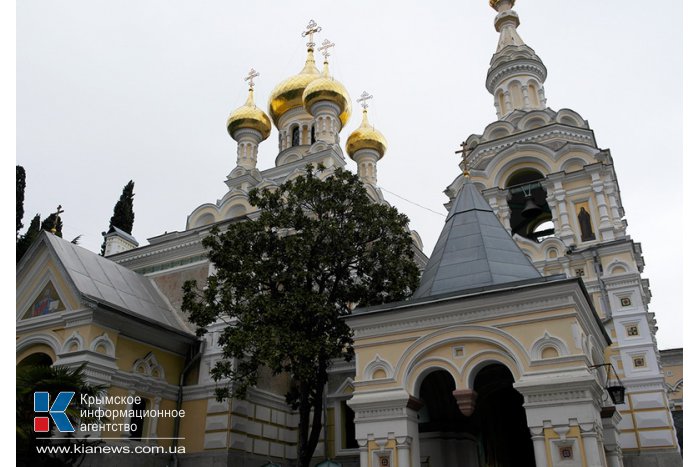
(174, 461)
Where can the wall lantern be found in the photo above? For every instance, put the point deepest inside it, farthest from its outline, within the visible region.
(616, 389)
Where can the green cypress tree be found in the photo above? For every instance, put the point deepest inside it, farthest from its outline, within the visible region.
(21, 184)
(51, 222)
(29, 236)
(123, 217)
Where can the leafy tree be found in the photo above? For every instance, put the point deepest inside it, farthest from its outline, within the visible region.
(32, 378)
(19, 198)
(123, 216)
(285, 280)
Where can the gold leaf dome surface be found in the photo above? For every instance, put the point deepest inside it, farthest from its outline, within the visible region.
(249, 116)
(366, 137)
(289, 93)
(326, 88)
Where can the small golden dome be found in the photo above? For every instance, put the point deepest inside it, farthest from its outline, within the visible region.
(288, 94)
(249, 116)
(326, 88)
(365, 137)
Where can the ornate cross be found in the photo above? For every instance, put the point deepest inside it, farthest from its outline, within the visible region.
(251, 74)
(311, 29)
(364, 97)
(325, 46)
(54, 227)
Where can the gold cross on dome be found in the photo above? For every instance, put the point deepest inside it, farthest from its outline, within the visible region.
(59, 211)
(364, 97)
(251, 74)
(311, 29)
(325, 46)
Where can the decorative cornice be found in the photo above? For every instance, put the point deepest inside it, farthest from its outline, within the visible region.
(518, 66)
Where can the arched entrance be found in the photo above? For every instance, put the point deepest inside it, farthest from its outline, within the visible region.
(494, 435)
(36, 359)
(500, 421)
(445, 433)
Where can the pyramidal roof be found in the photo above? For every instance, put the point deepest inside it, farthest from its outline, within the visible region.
(474, 250)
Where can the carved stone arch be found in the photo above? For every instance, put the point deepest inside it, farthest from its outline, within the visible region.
(235, 206)
(46, 339)
(473, 141)
(518, 157)
(425, 368)
(103, 344)
(74, 343)
(499, 129)
(415, 354)
(204, 215)
(488, 357)
(534, 119)
(572, 164)
(617, 266)
(149, 366)
(547, 341)
(288, 157)
(571, 118)
(376, 365)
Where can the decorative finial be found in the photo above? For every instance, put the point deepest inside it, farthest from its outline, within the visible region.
(325, 46)
(251, 74)
(54, 227)
(311, 29)
(364, 97)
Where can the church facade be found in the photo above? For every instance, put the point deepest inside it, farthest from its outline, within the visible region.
(531, 306)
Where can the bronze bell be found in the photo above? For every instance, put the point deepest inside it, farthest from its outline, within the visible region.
(531, 209)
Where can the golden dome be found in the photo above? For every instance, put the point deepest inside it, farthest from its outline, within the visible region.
(249, 116)
(288, 94)
(326, 88)
(365, 137)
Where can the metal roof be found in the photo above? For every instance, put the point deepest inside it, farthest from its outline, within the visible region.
(473, 250)
(113, 285)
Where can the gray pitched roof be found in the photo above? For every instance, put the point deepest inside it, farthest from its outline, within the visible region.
(473, 250)
(113, 285)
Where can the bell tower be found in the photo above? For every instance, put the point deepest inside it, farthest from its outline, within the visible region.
(556, 191)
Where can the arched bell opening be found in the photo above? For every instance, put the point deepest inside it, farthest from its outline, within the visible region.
(445, 432)
(530, 216)
(500, 420)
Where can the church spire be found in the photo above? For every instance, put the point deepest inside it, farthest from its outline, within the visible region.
(517, 74)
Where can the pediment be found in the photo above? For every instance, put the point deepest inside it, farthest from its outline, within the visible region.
(43, 286)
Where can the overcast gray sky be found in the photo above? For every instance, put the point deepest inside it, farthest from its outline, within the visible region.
(112, 91)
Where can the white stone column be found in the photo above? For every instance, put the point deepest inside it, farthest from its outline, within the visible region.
(595, 454)
(390, 414)
(366, 160)
(403, 446)
(248, 140)
(326, 114)
(538, 443)
(153, 421)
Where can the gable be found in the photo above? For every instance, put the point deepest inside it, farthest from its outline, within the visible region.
(43, 287)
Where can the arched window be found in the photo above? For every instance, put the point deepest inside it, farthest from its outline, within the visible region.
(530, 216)
(295, 136)
(313, 134)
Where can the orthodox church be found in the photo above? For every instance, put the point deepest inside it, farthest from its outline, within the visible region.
(528, 342)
